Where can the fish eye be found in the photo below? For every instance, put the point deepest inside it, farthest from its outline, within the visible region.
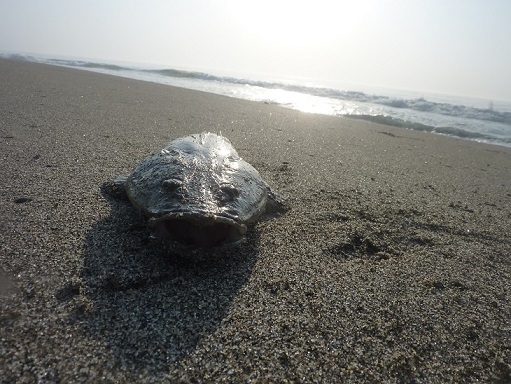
(230, 191)
(171, 184)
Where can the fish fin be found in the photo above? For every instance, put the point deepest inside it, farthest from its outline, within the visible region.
(276, 203)
(120, 181)
(115, 188)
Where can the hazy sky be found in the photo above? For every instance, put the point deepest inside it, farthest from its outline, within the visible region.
(456, 47)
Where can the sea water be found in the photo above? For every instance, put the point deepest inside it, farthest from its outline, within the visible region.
(468, 118)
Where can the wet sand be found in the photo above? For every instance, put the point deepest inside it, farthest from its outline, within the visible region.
(393, 263)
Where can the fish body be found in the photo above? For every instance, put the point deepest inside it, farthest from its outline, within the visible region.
(199, 191)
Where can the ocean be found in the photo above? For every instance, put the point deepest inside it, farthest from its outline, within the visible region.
(487, 121)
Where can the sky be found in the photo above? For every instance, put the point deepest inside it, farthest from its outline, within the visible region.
(457, 47)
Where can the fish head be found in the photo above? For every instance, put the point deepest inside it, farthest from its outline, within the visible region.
(198, 197)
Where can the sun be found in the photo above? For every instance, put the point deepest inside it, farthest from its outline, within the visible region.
(297, 23)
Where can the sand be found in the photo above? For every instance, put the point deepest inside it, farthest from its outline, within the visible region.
(393, 263)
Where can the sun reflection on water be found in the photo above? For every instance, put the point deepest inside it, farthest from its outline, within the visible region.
(296, 100)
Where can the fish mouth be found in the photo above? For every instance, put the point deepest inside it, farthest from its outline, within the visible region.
(197, 229)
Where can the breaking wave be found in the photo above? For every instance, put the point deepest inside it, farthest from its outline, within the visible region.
(468, 122)
(450, 131)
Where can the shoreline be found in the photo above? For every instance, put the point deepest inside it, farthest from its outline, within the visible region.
(454, 116)
(392, 263)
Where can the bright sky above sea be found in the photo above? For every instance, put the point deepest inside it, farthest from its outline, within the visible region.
(457, 47)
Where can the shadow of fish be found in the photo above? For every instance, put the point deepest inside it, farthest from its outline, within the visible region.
(198, 191)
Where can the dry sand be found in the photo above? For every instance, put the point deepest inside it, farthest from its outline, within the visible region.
(392, 265)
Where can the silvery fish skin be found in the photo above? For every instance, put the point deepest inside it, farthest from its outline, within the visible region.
(198, 191)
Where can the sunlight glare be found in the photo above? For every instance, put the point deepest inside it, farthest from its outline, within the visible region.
(299, 23)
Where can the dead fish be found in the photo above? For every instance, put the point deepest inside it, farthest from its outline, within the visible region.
(198, 191)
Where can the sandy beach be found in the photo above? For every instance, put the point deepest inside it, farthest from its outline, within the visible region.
(393, 263)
